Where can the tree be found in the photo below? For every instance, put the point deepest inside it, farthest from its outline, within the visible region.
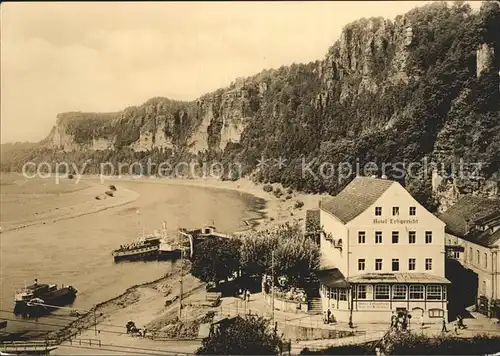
(422, 192)
(295, 255)
(244, 336)
(216, 259)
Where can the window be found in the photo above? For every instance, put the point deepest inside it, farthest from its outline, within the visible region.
(428, 264)
(470, 253)
(328, 292)
(413, 211)
(342, 294)
(378, 237)
(395, 264)
(395, 237)
(381, 291)
(378, 264)
(434, 292)
(456, 254)
(378, 210)
(412, 264)
(334, 294)
(361, 237)
(485, 260)
(398, 292)
(417, 292)
(412, 237)
(436, 313)
(361, 291)
(361, 264)
(428, 237)
(478, 257)
(395, 210)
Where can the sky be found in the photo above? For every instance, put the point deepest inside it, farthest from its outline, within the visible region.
(104, 57)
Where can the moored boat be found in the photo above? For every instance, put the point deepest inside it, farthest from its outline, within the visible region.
(39, 298)
(143, 249)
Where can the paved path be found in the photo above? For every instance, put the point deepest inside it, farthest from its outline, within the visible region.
(298, 346)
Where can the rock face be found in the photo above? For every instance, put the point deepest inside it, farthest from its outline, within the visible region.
(485, 55)
(366, 47)
(209, 123)
(449, 190)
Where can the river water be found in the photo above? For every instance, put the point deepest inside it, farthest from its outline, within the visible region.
(77, 251)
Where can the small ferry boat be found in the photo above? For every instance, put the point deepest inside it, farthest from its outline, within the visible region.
(158, 247)
(143, 249)
(151, 247)
(40, 297)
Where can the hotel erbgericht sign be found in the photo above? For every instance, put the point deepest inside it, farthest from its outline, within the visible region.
(395, 221)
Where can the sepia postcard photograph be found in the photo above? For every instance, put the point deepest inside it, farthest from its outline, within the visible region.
(250, 178)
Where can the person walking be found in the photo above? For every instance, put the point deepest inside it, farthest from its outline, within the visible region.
(443, 329)
(248, 295)
(394, 319)
(460, 322)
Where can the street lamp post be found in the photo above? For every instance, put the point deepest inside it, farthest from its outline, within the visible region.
(180, 295)
(272, 283)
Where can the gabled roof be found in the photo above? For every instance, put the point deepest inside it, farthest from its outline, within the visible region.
(358, 196)
(470, 211)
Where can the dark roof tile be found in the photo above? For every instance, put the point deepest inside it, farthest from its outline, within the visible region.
(468, 211)
(358, 196)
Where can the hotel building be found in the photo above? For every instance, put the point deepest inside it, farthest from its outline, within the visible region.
(473, 239)
(381, 252)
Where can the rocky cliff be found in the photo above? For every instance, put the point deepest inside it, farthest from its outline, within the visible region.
(209, 123)
(423, 85)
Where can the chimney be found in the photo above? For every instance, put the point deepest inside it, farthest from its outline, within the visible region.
(467, 226)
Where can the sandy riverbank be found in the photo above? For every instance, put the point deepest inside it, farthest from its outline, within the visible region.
(29, 202)
(277, 210)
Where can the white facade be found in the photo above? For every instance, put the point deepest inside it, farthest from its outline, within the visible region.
(394, 235)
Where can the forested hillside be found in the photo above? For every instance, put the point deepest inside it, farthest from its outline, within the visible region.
(423, 85)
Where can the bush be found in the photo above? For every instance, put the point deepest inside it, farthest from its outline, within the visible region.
(288, 197)
(268, 188)
(109, 193)
(278, 193)
(299, 204)
(289, 191)
(242, 336)
(112, 187)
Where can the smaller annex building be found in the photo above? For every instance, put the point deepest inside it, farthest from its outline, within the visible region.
(473, 239)
(381, 252)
